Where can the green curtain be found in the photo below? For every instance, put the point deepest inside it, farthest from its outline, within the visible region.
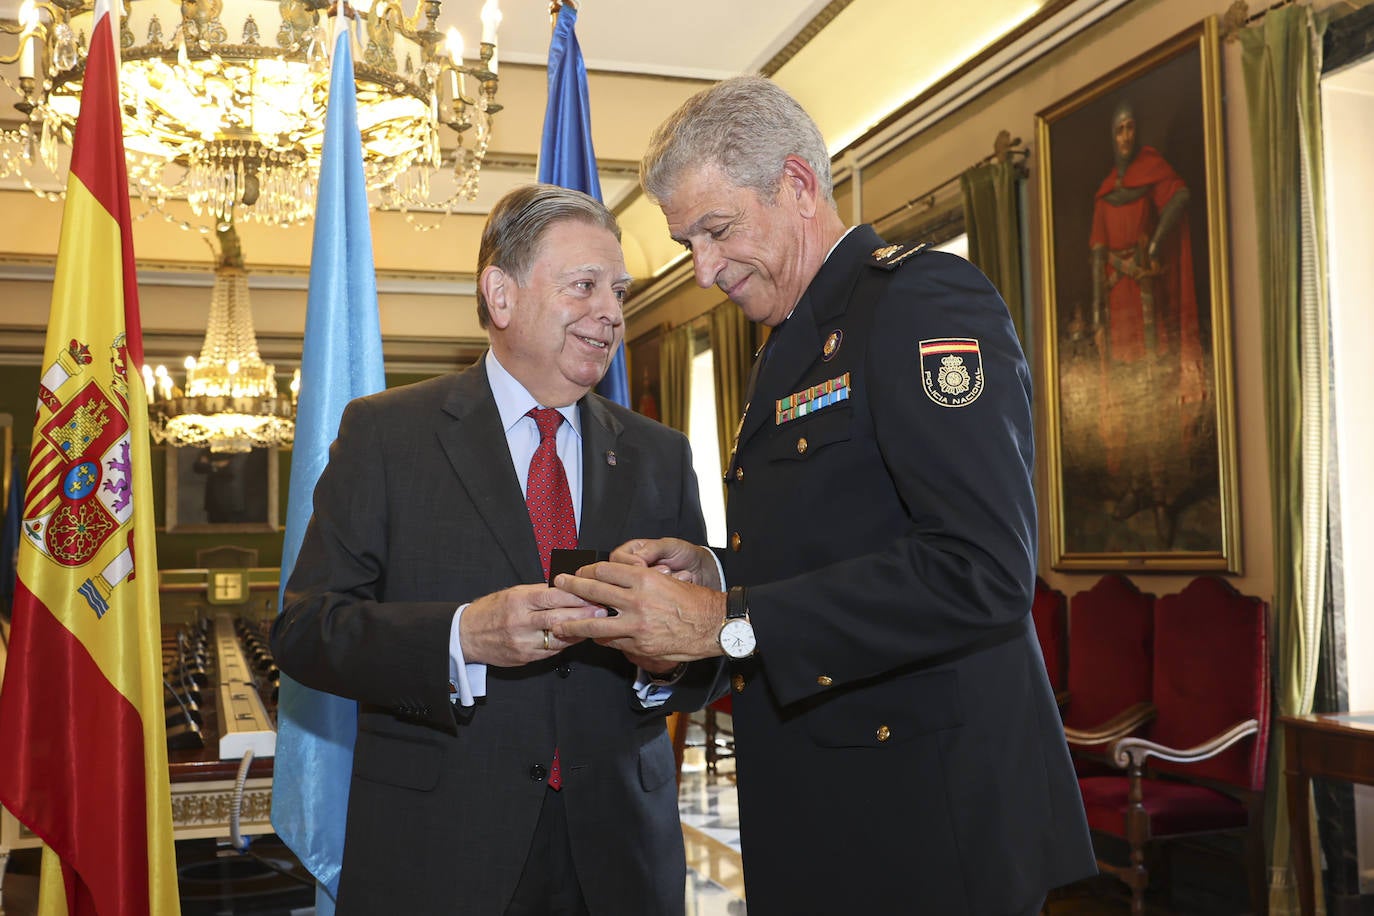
(1281, 58)
(732, 346)
(992, 216)
(675, 377)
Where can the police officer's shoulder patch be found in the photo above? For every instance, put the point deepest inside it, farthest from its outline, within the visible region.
(951, 370)
(890, 257)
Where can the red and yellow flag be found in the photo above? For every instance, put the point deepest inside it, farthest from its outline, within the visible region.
(83, 754)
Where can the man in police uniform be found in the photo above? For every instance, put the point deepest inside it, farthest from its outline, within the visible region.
(894, 723)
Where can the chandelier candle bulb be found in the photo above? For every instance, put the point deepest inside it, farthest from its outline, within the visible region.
(28, 39)
(454, 41)
(491, 18)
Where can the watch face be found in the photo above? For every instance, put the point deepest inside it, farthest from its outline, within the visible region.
(737, 638)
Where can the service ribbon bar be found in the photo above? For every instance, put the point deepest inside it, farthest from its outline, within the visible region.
(812, 399)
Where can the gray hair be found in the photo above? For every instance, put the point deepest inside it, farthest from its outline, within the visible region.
(516, 225)
(746, 126)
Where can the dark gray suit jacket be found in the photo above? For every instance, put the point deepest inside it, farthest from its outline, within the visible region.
(418, 511)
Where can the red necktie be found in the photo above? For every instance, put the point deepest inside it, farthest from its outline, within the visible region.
(551, 511)
(546, 491)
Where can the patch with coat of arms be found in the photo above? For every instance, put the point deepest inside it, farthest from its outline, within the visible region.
(951, 370)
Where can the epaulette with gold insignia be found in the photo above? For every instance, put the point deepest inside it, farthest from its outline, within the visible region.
(889, 257)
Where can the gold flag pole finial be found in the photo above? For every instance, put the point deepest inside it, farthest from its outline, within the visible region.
(556, 5)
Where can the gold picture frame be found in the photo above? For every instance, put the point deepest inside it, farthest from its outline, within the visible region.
(222, 492)
(1139, 400)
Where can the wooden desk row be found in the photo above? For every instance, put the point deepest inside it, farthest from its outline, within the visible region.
(202, 788)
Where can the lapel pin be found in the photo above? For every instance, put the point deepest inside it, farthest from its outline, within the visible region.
(610, 458)
(832, 344)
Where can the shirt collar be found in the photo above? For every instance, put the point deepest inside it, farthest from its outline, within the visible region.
(513, 401)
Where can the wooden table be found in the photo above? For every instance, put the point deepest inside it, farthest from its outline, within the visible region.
(1331, 745)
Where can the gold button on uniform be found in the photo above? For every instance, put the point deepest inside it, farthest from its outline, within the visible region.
(824, 680)
(802, 445)
(884, 733)
(735, 542)
(738, 682)
(739, 473)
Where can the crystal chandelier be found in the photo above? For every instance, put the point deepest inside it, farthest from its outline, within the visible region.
(224, 101)
(230, 401)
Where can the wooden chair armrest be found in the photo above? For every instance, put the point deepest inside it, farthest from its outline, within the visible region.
(1118, 726)
(1130, 752)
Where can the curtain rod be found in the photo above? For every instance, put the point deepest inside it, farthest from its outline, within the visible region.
(1004, 149)
(1238, 15)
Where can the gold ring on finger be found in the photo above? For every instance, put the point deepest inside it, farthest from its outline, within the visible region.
(547, 644)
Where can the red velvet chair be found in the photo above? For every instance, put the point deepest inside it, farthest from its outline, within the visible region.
(1111, 634)
(1207, 742)
(1050, 611)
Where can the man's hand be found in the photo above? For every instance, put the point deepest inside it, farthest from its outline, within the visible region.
(516, 626)
(658, 616)
(679, 558)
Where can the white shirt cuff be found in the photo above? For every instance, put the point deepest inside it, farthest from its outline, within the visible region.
(651, 695)
(469, 679)
(720, 570)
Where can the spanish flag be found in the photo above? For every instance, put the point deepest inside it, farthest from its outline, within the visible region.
(83, 755)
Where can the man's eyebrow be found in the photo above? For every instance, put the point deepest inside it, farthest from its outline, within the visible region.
(595, 269)
(697, 226)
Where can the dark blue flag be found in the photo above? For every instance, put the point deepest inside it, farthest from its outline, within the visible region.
(566, 157)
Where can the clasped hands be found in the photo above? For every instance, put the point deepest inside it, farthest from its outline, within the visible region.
(666, 594)
(668, 601)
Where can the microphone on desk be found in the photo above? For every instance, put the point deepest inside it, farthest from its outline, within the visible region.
(183, 735)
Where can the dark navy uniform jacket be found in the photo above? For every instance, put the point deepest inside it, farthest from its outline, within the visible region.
(899, 746)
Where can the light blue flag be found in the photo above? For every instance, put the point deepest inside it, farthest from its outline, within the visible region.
(566, 157)
(341, 360)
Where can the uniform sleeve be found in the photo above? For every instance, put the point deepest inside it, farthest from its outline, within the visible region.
(958, 449)
(334, 634)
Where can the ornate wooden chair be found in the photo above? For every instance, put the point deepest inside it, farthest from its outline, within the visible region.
(1206, 743)
(1109, 670)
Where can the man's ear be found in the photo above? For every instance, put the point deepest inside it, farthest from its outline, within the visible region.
(801, 183)
(498, 290)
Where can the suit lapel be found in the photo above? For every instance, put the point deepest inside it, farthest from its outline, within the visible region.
(606, 477)
(475, 444)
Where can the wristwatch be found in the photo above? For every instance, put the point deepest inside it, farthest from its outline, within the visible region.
(737, 638)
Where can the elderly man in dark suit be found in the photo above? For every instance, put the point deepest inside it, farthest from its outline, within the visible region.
(894, 724)
(498, 768)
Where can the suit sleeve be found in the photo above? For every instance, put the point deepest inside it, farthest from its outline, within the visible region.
(962, 572)
(333, 633)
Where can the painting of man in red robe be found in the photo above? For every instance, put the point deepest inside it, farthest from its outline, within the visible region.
(1141, 447)
(1144, 326)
